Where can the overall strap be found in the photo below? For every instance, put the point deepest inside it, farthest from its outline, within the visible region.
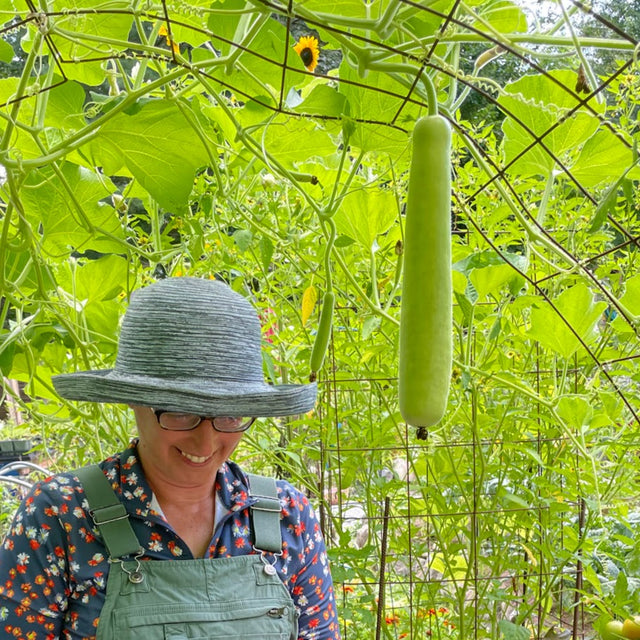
(265, 513)
(108, 513)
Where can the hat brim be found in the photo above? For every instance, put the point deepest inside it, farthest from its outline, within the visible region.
(209, 397)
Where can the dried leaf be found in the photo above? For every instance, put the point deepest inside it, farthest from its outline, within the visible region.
(309, 299)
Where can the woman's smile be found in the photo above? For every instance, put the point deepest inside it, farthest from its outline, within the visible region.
(194, 459)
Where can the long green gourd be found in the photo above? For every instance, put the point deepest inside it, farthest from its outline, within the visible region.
(321, 342)
(426, 310)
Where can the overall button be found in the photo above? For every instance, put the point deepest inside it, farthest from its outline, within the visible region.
(269, 569)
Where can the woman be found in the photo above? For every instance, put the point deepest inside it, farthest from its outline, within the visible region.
(169, 539)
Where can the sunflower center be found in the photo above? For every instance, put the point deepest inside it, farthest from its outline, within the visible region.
(307, 56)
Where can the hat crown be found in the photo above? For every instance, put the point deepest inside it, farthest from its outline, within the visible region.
(181, 328)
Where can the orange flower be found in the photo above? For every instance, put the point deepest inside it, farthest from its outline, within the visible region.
(308, 50)
(170, 42)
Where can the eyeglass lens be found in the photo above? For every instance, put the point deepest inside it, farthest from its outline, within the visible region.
(175, 421)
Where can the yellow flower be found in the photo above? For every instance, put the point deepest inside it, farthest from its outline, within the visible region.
(307, 49)
(170, 42)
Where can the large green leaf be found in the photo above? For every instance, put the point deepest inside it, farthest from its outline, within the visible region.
(425, 23)
(372, 101)
(503, 15)
(21, 139)
(21, 270)
(87, 21)
(93, 286)
(8, 88)
(350, 8)
(631, 297)
(102, 320)
(578, 309)
(65, 106)
(322, 101)
(512, 631)
(70, 209)
(603, 157)
(228, 21)
(365, 214)
(158, 145)
(95, 280)
(575, 410)
(631, 301)
(39, 386)
(265, 57)
(292, 140)
(488, 272)
(534, 105)
(64, 113)
(186, 21)
(490, 279)
(6, 51)
(256, 111)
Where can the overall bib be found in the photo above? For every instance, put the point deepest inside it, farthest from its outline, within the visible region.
(201, 599)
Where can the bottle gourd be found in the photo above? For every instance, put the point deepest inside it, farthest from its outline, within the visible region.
(324, 334)
(425, 351)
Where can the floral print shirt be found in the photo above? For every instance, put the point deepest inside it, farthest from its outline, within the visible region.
(54, 567)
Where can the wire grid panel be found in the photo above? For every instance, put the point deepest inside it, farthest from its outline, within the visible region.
(486, 525)
(451, 536)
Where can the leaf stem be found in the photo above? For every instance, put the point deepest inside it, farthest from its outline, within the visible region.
(331, 238)
(334, 191)
(355, 166)
(206, 142)
(359, 291)
(385, 22)
(247, 38)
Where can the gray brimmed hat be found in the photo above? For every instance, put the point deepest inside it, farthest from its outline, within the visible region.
(189, 345)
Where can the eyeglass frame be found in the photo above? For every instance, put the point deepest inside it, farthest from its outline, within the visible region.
(212, 419)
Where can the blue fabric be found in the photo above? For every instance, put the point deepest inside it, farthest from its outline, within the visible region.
(53, 566)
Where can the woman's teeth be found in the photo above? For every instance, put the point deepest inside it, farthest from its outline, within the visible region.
(197, 459)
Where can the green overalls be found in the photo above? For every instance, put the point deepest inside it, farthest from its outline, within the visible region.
(223, 598)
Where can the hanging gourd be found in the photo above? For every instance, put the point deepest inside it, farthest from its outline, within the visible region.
(426, 310)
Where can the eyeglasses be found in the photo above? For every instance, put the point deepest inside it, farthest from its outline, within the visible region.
(176, 421)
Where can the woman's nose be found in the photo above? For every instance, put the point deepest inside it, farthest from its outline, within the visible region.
(204, 431)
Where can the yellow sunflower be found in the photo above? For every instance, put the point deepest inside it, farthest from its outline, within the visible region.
(308, 50)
